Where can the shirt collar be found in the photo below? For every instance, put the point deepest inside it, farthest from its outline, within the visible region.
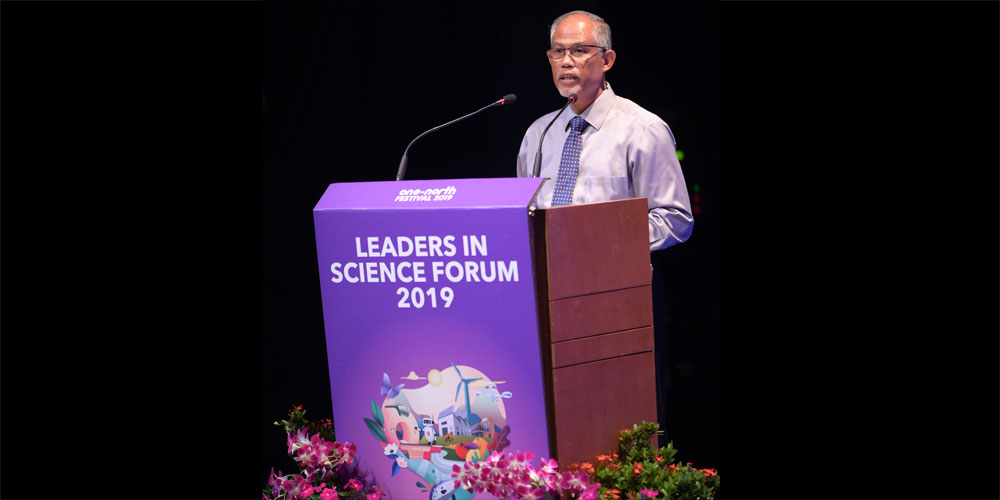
(598, 110)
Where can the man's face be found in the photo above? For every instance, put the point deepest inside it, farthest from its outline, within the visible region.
(584, 76)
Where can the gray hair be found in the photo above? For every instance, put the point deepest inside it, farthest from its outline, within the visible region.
(602, 32)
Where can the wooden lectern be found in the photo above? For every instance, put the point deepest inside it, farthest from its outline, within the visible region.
(593, 282)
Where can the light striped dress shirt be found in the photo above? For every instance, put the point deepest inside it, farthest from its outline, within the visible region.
(628, 152)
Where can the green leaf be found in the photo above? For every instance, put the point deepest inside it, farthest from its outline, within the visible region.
(375, 429)
(377, 414)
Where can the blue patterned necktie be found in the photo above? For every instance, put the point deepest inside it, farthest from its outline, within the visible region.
(569, 167)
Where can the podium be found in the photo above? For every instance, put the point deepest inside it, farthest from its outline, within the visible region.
(593, 279)
(462, 322)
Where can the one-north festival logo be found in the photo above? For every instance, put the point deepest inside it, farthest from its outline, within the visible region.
(438, 194)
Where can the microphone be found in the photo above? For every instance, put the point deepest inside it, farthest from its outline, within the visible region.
(506, 101)
(538, 154)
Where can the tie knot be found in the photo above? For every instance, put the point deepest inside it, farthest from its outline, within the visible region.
(578, 124)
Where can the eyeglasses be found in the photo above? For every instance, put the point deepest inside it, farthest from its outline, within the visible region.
(577, 52)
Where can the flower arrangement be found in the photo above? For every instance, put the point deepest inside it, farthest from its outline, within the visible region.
(328, 470)
(636, 471)
(513, 477)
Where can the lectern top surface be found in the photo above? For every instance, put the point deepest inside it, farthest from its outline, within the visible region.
(440, 193)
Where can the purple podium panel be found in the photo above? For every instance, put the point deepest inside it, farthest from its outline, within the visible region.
(431, 327)
(449, 193)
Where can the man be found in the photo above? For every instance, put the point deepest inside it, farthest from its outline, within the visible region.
(607, 148)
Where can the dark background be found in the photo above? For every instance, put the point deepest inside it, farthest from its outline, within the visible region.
(140, 198)
(347, 87)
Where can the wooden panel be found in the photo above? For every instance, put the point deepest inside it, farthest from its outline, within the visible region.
(536, 226)
(595, 401)
(588, 315)
(597, 247)
(611, 345)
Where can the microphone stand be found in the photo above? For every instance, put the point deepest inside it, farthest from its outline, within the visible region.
(402, 162)
(538, 154)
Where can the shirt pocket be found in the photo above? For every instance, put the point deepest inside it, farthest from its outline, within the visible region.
(597, 189)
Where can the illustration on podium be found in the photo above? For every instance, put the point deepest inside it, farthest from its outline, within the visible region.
(458, 416)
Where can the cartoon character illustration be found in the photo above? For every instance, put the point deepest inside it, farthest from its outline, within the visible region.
(388, 388)
(403, 410)
(462, 449)
(442, 485)
(478, 450)
(430, 434)
(443, 490)
(490, 392)
(429, 430)
(500, 440)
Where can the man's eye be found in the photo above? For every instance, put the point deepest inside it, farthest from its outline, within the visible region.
(580, 51)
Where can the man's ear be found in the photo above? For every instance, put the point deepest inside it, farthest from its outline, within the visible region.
(609, 59)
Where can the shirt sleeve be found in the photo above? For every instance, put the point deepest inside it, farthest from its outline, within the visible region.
(656, 175)
(522, 157)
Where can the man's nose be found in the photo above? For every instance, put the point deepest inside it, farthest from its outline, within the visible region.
(567, 61)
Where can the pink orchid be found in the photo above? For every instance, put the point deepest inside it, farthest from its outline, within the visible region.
(513, 476)
(354, 484)
(592, 491)
(527, 493)
(343, 453)
(306, 492)
(523, 458)
(295, 486)
(575, 482)
(463, 476)
(298, 440)
(649, 493)
(328, 494)
(274, 481)
(375, 494)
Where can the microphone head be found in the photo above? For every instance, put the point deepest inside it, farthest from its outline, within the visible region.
(508, 100)
(572, 97)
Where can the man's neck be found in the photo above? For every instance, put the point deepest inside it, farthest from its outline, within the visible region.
(581, 104)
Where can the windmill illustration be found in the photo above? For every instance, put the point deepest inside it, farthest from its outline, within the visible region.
(468, 405)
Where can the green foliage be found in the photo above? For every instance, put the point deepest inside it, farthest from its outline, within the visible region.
(636, 444)
(375, 429)
(297, 420)
(377, 413)
(375, 426)
(637, 466)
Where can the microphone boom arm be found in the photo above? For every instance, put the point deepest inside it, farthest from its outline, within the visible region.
(538, 154)
(404, 159)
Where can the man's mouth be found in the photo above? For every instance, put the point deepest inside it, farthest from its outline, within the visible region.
(568, 79)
